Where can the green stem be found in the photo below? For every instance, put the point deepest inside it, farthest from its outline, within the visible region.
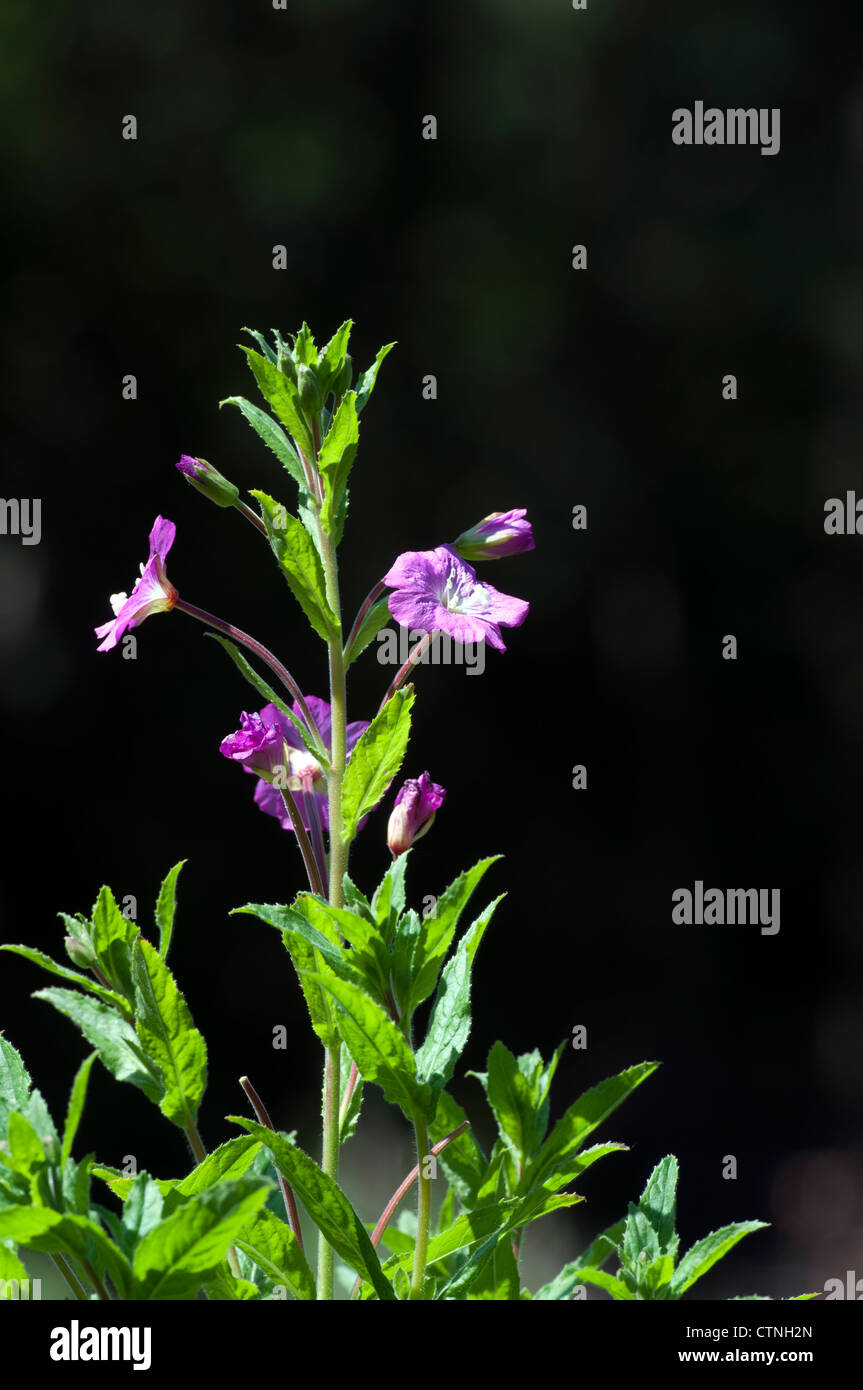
(338, 868)
(96, 1282)
(423, 1210)
(71, 1277)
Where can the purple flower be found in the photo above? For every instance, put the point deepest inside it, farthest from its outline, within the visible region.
(499, 534)
(153, 592)
(435, 591)
(259, 746)
(415, 808)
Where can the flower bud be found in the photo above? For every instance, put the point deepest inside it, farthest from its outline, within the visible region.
(413, 813)
(206, 479)
(79, 953)
(498, 535)
(309, 389)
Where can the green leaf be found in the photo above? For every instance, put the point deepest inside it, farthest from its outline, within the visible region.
(230, 1160)
(300, 563)
(168, 1035)
(572, 1167)
(116, 1041)
(616, 1287)
(26, 1151)
(368, 959)
(463, 1161)
(657, 1206)
(366, 382)
(275, 1249)
(314, 747)
(76, 1106)
(10, 1268)
(195, 1237)
(326, 1204)
(336, 457)
(304, 347)
(53, 1233)
(263, 344)
(378, 1047)
(142, 1210)
(111, 937)
(388, 902)
(14, 1083)
(584, 1116)
(449, 1026)
(272, 434)
(375, 760)
(166, 906)
(281, 393)
(108, 996)
(565, 1283)
(377, 618)
(331, 359)
(705, 1253)
(439, 928)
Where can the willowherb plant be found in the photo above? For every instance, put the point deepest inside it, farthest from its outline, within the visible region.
(365, 963)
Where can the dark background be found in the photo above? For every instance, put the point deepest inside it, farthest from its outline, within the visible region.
(556, 387)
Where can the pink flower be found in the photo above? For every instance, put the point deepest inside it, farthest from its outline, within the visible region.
(153, 592)
(435, 591)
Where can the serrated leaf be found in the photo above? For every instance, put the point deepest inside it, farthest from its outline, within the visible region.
(367, 379)
(657, 1203)
(705, 1253)
(449, 1026)
(166, 906)
(336, 457)
(463, 1161)
(195, 1237)
(388, 902)
(565, 1283)
(14, 1082)
(375, 760)
(263, 344)
(326, 1204)
(281, 393)
(108, 996)
(377, 618)
(616, 1287)
(76, 1106)
(300, 563)
(272, 434)
(378, 1047)
(116, 1041)
(52, 1233)
(439, 928)
(168, 1036)
(111, 937)
(275, 1249)
(331, 359)
(585, 1115)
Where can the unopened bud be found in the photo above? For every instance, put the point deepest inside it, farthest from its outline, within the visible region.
(206, 479)
(495, 537)
(79, 953)
(309, 389)
(413, 813)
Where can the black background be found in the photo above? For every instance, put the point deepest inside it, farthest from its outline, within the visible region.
(555, 387)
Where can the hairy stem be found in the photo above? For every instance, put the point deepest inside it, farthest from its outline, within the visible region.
(315, 881)
(423, 1210)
